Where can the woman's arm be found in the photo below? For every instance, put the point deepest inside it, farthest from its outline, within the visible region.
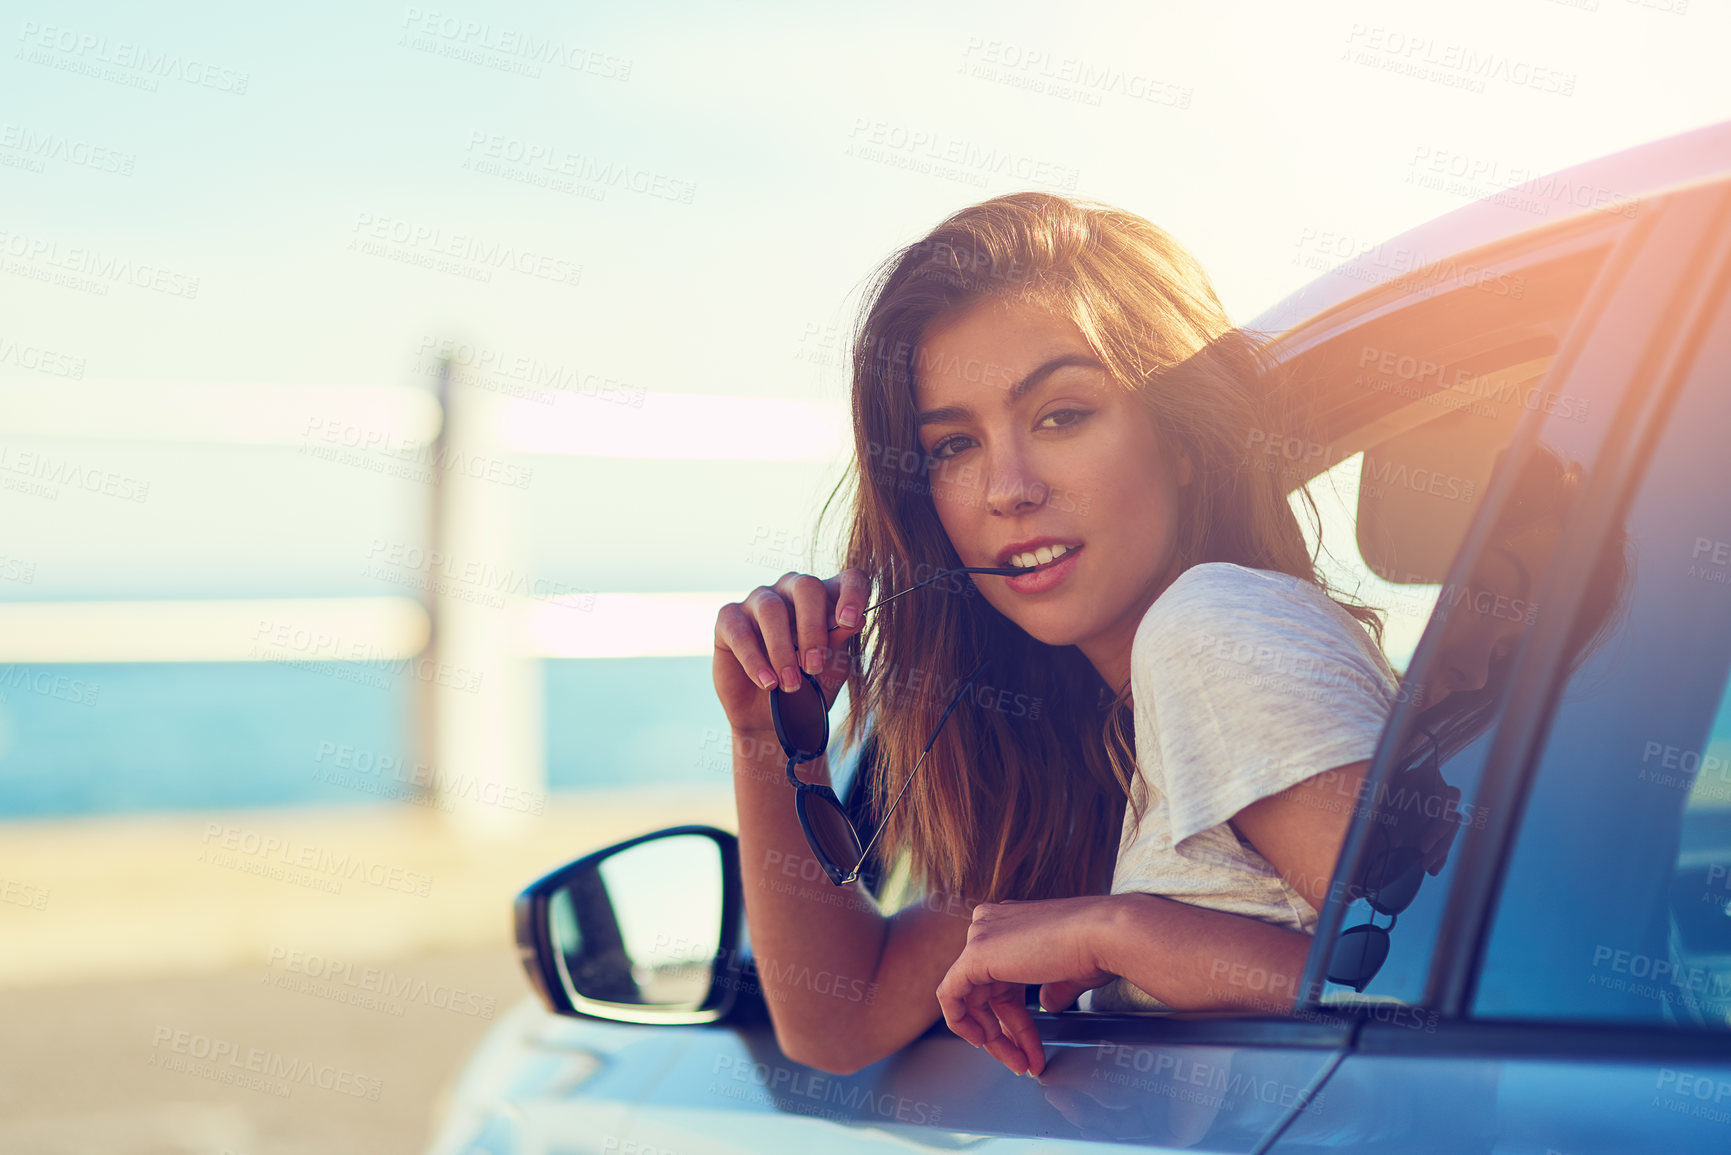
(1188, 957)
(845, 985)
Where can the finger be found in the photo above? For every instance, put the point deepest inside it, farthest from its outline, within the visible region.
(1000, 1046)
(771, 613)
(1055, 997)
(811, 618)
(952, 1003)
(850, 588)
(735, 632)
(1016, 1023)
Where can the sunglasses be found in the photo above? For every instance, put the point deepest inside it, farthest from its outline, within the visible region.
(802, 727)
(1391, 876)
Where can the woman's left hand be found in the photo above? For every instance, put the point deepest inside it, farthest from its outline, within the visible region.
(1054, 942)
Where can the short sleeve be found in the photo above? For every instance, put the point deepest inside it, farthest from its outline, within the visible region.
(1247, 682)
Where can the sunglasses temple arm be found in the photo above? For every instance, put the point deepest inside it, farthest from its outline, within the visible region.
(866, 853)
(1000, 571)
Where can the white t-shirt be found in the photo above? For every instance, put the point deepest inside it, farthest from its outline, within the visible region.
(1245, 682)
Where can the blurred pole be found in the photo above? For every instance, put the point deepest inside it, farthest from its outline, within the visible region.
(486, 717)
(425, 702)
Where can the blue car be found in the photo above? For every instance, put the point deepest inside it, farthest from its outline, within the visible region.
(1526, 461)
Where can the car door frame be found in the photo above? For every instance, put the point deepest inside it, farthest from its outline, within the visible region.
(1680, 257)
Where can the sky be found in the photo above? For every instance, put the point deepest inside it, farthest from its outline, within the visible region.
(308, 203)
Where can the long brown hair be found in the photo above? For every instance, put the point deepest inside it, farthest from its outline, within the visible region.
(1023, 794)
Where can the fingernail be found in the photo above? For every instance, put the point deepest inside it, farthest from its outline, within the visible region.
(850, 617)
(813, 660)
(789, 679)
(766, 678)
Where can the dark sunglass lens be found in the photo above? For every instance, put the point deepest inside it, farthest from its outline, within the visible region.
(1392, 881)
(1358, 954)
(831, 830)
(801, 719)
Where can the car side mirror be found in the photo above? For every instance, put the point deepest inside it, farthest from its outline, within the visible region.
(641, 932)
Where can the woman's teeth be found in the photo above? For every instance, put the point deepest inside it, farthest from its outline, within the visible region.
(1039, 556)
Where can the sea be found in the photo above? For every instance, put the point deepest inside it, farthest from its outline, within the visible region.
(132, 738)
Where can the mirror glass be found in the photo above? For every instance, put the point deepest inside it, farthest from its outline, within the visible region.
(643, 927)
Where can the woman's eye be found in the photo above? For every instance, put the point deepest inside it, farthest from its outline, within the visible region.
(949, 447)
(1069, 417)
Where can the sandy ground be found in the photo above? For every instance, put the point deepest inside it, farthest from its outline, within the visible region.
(352, 958)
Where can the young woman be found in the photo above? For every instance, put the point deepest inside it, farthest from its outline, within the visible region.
(1146, 786)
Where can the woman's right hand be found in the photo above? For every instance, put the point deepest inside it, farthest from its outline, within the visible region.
(765, 639)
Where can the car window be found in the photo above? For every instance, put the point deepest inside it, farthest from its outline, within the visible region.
(1406, 549)
(1616, 904)
(1417, 405)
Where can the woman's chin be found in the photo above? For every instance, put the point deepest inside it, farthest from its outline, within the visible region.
(1051, 629)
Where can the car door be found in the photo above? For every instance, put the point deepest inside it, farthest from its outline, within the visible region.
(1576, 950)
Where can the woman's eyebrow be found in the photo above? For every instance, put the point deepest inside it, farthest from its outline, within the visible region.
(1017, 391)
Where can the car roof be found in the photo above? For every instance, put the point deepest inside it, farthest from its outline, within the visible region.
(1700, 156)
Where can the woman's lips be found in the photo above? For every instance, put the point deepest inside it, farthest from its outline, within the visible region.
(1044, 577)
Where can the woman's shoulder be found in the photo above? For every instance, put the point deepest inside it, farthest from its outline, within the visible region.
(1222, 606)
(1222, 592)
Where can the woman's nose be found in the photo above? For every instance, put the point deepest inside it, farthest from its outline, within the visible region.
(1012, 487)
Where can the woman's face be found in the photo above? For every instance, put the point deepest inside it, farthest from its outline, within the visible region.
(1039, 451)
